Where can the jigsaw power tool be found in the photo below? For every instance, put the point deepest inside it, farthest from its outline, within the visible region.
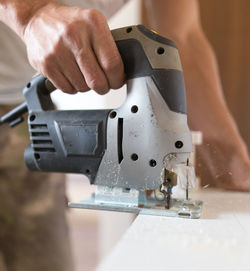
(135, 154)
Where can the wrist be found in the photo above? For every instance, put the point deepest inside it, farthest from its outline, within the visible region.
(17, 14)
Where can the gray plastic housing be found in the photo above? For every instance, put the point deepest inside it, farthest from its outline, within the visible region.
(125, 147)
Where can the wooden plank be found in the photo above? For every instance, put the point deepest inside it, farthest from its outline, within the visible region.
(220, 240)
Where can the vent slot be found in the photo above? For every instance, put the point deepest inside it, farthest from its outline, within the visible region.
(39, 126)
(49, 142)
(44, 149)
(40, 133)
(40, 138)
(119, 139)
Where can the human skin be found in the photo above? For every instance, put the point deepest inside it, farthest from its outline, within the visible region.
(71, 46)
(223, 160)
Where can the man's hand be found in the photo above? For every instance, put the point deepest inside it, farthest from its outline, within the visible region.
(73, 47)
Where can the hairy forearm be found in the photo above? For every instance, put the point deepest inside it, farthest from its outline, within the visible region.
(207, 108)
(17, 13)
(222, 159)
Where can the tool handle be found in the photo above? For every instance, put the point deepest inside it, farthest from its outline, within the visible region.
(144, 53)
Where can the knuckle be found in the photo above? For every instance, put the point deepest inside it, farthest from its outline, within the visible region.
(70, 91)
(102, 92)
(80, 53)
(66, 88)
(62, 85)
(47, 64)
(112, 64)
(96, 84)
(72, 35)
(69, 29)
(79, 86)
(67, 91)
(94, 17)
(117, 85)
(84, 89)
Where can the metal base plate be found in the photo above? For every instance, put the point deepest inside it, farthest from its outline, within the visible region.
(148, 205)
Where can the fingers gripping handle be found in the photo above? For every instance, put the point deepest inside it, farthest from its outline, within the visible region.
(144, 53)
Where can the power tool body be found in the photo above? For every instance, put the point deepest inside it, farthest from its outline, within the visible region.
(135, 154)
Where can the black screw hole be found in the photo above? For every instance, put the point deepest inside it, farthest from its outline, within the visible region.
(32, 117)
(178, 144)
(152, 163)
(28, 85)
(134, 157)
(37, 156)
(134, 109)
(87, 171)
(160, 50)
(112, 114)
(129, 29)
